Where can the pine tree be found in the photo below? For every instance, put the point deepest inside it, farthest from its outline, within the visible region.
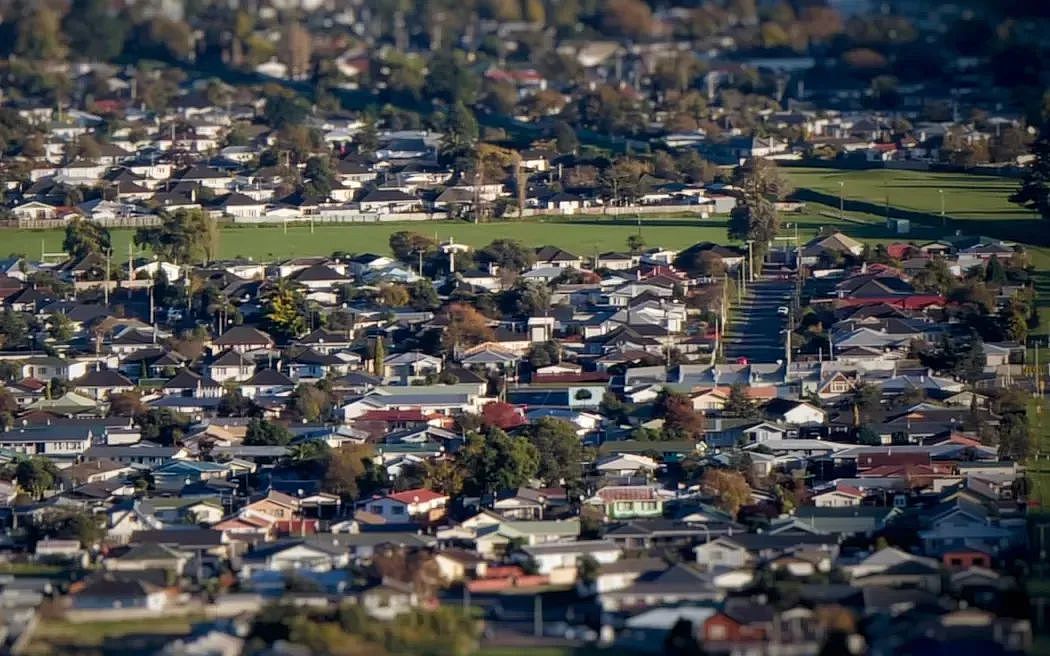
(378, 356)
(1034, 192)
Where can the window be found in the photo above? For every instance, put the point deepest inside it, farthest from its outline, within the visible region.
(716, 632)
(956, 562)
(583, 395)
(397, 510)
(376, 509)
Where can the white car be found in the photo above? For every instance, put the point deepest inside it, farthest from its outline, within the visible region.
(783, 311)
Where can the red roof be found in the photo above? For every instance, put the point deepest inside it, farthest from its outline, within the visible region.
(625, 493)
(913, 302)
(418, 495)
(850, 490)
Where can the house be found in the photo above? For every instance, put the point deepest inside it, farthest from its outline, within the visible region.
(560, 560)
(839, 497)
(418, 505)
(100, 384)
(389, 201)
(798, 413)
(231, 365)
(554, 257)
(267, 382)
(243, 339)
(740, 622)
(107, 593)
(628, 501)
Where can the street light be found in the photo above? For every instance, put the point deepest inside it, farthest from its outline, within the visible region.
(842, 205)
(941, 192)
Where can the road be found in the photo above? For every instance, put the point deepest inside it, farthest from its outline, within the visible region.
(755, 332)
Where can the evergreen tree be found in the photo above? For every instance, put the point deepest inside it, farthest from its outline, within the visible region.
(1034, 192)
(994, 273)
(378, 357)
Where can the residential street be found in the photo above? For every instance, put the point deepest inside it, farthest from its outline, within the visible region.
(755, 332)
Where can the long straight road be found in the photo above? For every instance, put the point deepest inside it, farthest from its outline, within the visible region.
(755, 332)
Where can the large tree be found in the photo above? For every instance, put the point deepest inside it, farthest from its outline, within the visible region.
(84, 237)
(1034, 192)
(497, 462)
(560, 450)
(266, 433)
(681, 420)
(755, 217)
(186, 236)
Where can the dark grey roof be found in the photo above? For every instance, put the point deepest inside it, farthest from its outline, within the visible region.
(270, 377)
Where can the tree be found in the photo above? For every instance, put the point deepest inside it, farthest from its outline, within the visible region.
(393, 295)
(235, 404)
(1034, 192)
(1015, 442)
(972, 360)
(284, 309)
(451, 78)
(61, 327)
(460, 135)
(266, 433)
(126, 404)
(84, 237)
(565, 139)
(345, 468)
(560, 450)
(444, 476)
(994, 273)
(36, 475)
(310, 402)
(162, 425)
(635, 243)
(680, 418)
(497, 462)
(185, 236)
(738, 403)
(681, 640)
(729, 487)
(755, 216)
(39, 34)
(544, 354)
(295, 50)
(629, 18)
(379, 357)
(283, 110)
(466, 327)
(407, 245)
(422, 295)
(94, 31)
(867, 400)
(319, 176)
(621, 181)
(508, 255)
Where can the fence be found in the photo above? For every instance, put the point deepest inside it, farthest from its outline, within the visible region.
(53, 224)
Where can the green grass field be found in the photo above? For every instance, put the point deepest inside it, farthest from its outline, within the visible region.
(583, 235)
(966, 197)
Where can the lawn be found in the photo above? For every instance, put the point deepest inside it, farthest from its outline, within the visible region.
(583, 235)
(124, 636)
(966, 197)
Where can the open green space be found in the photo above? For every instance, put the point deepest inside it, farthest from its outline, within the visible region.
(55, 636)
(966, 197)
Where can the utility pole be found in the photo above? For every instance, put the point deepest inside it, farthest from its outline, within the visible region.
(842, 202)
(943, 218)
(750, 261)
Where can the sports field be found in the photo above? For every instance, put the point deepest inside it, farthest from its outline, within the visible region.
(583, 235)
(966, 197)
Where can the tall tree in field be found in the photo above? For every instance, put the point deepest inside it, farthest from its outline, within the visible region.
(84, 237)
(186, 236)
(1034, 192)
(755, 217)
